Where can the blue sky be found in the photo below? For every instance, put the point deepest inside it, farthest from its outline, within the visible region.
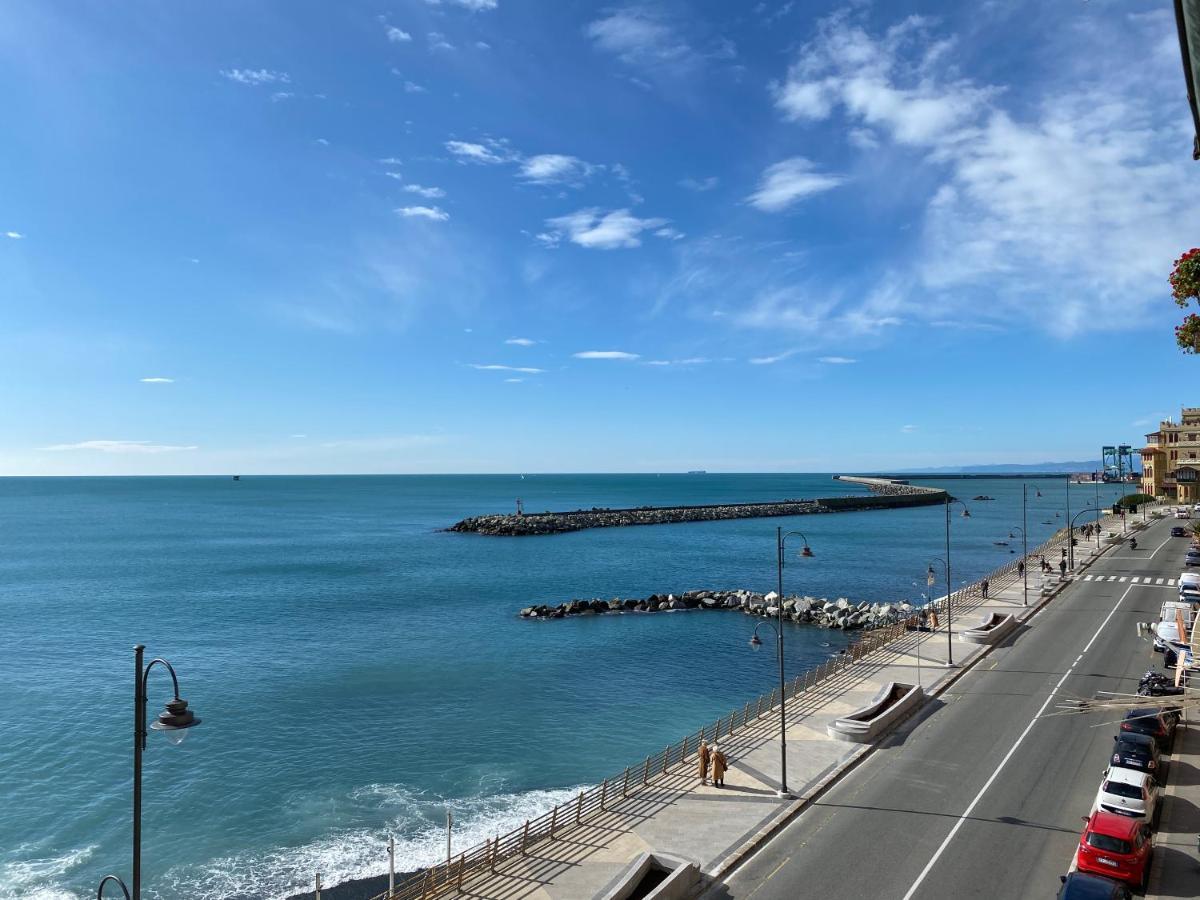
(508, 235)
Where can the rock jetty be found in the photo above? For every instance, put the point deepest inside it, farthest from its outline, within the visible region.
(822, 612)
(884, 495)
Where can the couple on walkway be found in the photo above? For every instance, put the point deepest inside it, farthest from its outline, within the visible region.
(715, 757)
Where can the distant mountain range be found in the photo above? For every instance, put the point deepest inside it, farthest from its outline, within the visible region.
(1089, 465)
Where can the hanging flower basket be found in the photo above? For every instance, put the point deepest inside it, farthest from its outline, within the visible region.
(1187, 334)
(1185, 277)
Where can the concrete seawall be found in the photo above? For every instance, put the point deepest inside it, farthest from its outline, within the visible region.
(885, 494)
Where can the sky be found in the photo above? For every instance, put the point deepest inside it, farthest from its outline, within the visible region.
(294, 236)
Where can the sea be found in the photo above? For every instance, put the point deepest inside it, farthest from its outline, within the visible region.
(359, 670)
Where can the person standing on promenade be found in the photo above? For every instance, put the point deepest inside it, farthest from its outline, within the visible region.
(719, 765)
(984, 586)
(702, 758)
(1020, 568)
(1062, 566)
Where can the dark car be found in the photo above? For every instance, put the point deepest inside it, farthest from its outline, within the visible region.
(1178, 531)
(1150, 721)
(1082, 886)
(1137, 751)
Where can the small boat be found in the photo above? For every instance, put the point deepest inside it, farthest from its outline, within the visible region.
(237, 477)
(983, 497)
(1000, 543)
(1048, 522)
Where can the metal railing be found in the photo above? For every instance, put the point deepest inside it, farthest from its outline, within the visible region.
(483, 859)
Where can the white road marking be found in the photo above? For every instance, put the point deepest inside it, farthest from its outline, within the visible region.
(1087, 577)
(1007, 756)
(1121, 579)
(1159, 547)
(1159, 581)
(1171, 582)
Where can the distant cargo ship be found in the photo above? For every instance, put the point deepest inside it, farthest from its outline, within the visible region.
(697, 472)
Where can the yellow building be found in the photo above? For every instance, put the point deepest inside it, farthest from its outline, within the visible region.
(1171, 458)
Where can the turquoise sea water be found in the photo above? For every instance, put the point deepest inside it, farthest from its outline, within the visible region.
(358, 670)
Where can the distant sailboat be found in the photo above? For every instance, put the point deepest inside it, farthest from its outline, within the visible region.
(237, 477)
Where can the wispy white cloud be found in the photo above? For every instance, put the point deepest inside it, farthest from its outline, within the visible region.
(432, 213)
(430, 193)
(491, 153)
(521, 342)
(157, 379)
(789, 181)
(514, 380)
(397, 35)
(641, 37)
(605, 354)
(120, 447)
(256, 76)
(392, 161)
(596, 229)
(837, 360)
(493, 367)
(908, 429)
(555, 168)
(771, 360)
(1018, 192)
(279, 96)
(699, 185)
(669, 233)
(14, 235)
(411, 87)
(689, 361)
(437, 41)
(472, 5)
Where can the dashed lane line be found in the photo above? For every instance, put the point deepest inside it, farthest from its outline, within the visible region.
(1007, 756)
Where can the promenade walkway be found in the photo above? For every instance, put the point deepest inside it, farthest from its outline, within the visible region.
(716, 827)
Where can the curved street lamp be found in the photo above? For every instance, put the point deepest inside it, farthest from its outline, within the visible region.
(755, 641)
(1071, 533)
(115, 880)
(1024, 563)
(173, 722)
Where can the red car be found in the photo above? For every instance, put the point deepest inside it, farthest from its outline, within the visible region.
(1116, 846)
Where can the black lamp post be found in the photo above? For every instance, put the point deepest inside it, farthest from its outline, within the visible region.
(1071, 534)
(780, 546)
(1024, 564)
(173, 722)
(966, 514)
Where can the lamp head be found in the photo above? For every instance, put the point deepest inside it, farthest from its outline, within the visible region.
(966, 513)
(174, 720)
(755, 641)
(929, 576)
(806, 551)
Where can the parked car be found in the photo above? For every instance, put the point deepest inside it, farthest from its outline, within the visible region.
(1149, 720)
(1192, 558)
(1182, 514)
(1117, 847)
(1127, 792)
(1085, 886)
(1178, 531)
(1137, 751)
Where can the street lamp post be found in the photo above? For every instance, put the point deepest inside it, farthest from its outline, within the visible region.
(966, 514)
(780, 547)
(1071, 535)
(173, 722)
(1024, 565)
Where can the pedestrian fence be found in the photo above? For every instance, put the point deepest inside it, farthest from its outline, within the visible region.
(445, 879)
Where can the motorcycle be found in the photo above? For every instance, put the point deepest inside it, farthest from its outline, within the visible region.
(1133, 543)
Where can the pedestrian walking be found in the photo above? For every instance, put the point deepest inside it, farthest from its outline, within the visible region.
(984, 585)
(702, 758)
(1020, 568)
(719, 765)
(1062, 566)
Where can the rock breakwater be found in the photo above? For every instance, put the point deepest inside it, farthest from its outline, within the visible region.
(884, 495)
(820, 611)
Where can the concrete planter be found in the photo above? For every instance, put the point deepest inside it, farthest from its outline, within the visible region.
(991, 630)
(891, 705)
(681, 878)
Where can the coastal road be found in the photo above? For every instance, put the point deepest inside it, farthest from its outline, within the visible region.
(979, 797)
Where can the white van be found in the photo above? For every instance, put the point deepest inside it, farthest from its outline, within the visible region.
(1166, 631)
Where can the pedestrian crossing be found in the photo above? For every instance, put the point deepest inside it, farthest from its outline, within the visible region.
(1132, 579)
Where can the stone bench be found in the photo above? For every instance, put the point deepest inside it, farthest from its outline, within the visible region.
(993, 629)
(892, 704)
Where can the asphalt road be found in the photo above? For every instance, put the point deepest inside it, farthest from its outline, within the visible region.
(978, 797)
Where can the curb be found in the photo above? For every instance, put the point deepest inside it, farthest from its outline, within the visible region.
(783, 819)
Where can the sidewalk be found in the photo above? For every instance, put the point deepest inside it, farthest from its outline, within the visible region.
(716, 827)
